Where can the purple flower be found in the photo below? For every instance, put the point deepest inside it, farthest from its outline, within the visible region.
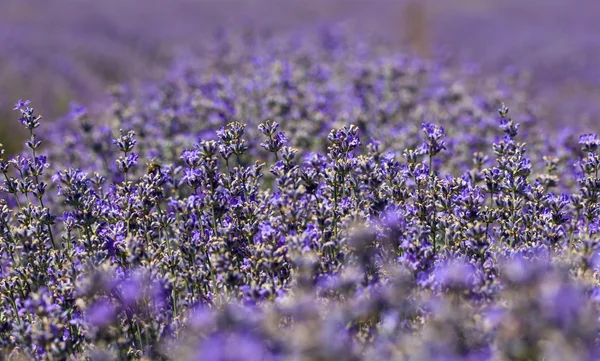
(232, 347)
(125, 164)
(589, 142)
(125, 141)
(266, 232)
(268, 128)
(191, 157)
(28, 119)
(456, 275)
(131, 290)
(435, 142)
(21, 104)
(101, 314)
(77, 110)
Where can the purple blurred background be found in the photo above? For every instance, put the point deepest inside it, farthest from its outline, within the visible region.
(56, 51)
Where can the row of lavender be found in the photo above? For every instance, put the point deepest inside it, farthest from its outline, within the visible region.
(301, 200)
(58, 50)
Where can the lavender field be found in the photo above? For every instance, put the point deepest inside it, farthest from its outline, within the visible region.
(227, 181)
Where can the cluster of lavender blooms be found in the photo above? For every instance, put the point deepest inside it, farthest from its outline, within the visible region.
(59, 50)
(315, 202)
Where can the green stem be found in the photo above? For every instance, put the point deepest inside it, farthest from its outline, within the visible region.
(487, 223)
(37, 181)
(434, 215)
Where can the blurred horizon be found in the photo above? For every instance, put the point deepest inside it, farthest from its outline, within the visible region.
(60, 51)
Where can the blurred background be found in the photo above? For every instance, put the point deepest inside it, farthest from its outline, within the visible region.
(57, 51)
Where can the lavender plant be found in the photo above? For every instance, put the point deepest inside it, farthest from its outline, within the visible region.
(313, 204)
(59, 50)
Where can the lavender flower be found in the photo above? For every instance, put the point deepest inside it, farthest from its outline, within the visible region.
(474, 245)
